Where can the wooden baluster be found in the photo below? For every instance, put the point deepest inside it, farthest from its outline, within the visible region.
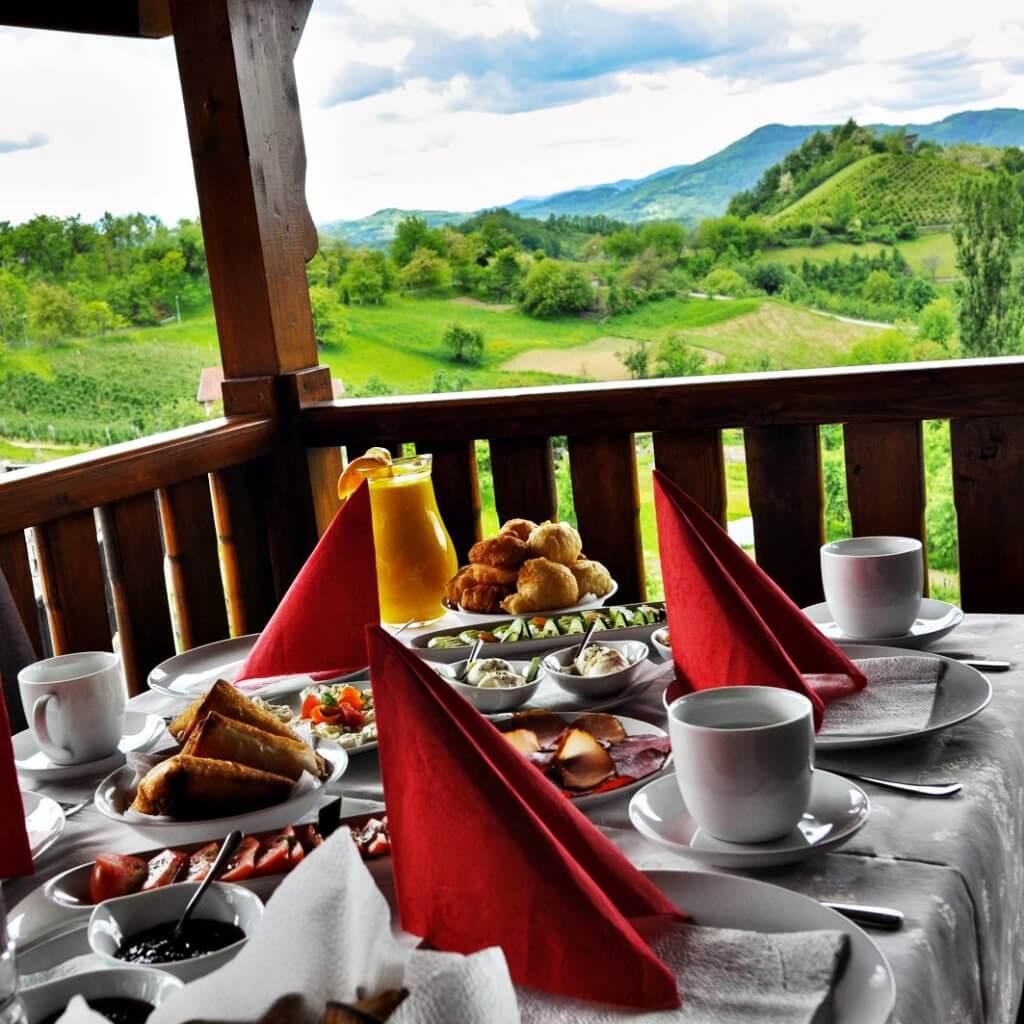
(694, 460)
(524, 479)
(784, 477)
(607, 500)
(458, 490)
(988, 470)
(325, 468)
(885, 480)
(190, 543)
(73, 586)
(135, 567)
(17, 571)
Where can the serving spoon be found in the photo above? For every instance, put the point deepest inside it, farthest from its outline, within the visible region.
(224, 854)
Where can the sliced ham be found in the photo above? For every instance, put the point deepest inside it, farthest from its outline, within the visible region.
(640, 756)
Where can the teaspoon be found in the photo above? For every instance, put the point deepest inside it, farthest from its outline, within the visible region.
(224, 854)
(938, 789)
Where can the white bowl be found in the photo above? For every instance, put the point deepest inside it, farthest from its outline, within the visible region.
(123, 917)
(634, 651)
(145, 983)
(487, 701)
(116, 792)
(658, 639)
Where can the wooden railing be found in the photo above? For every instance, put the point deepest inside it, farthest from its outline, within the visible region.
(200, 508)
(179, 493)
(881, 409)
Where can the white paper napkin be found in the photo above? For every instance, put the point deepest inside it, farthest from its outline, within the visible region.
(327, 934)
(725, 976)
(899, 697)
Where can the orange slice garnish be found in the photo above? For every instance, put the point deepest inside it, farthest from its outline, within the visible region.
(374, 465)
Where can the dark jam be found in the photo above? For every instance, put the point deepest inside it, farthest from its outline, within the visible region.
(117, 1009)
(160, 945)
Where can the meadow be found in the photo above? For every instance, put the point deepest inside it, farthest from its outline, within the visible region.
(938, 246)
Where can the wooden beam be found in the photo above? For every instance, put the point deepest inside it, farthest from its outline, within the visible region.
(916, 391)
(524, 479)
(235, 60)
(140, 18)
(694, 460)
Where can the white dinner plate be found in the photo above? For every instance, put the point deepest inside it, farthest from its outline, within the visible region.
(116, 792)
(865, 991)
(588, 602)
(633, 727)
(838, 810)
(141, 732)
(935, 620)
(44, 821)
(185, 676)
(961, 693)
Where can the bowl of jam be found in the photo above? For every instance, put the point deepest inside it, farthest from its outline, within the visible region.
(138, 930)
(124, 995)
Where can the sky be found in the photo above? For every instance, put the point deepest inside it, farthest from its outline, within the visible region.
(471, 103)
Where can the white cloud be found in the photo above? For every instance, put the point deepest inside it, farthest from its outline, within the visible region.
(475, 102)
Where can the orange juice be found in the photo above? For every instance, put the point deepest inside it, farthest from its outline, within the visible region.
(415, 555)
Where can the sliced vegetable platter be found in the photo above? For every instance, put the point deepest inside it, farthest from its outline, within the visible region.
(533, 634)
(334, 713)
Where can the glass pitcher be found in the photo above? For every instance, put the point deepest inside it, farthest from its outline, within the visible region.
(415, 554)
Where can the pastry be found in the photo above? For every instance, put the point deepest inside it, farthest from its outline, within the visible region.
(558, 542)
(506, 551)
(591, 577)
(485, 598)
(225, 699)
(521, 528)
(543, 584)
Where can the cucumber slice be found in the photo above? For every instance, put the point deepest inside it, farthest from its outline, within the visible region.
(531, 672)
(574, 624)
(550, 628)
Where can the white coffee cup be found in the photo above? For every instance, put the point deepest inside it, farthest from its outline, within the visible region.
(744, 757)
(873, 585)
(74, 705)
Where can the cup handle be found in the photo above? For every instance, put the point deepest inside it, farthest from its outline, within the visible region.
(43, 738)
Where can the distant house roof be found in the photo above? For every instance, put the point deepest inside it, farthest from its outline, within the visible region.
(211, 380)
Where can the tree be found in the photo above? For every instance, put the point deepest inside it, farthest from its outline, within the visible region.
(770, 276)
(374, 388)
(842, 209)
(665, 237)
(637, 360)
(98, 318)
(504, 273)
(363, 281)
(930, 265)
(890, 346)
(987, 234)
(443, 381)
(553, 290)
(52, 312)
(879, 287)
(624, 244)
(918, 292)
(463, 344)
(677, 359)
(426, 271)
(646, 272)
(936, 321)
(723, 281)
(13, 306)
(411, 234)
(328, 315)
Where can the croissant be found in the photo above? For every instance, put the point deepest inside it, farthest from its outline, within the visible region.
(521, 528)
(543, 584)
(591, 577)
(506, 551)
(558, 542)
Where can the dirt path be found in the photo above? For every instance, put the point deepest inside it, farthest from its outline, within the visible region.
(494, 307)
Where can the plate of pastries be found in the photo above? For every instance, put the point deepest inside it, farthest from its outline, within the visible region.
(528, 568)
(236, 766)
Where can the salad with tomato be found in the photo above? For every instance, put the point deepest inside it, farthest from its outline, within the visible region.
(340, 713)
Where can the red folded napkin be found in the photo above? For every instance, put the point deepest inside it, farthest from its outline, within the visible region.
(319, 628)
(731, 624)
(15, 852)
(487, 852)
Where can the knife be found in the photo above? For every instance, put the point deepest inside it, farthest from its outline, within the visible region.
(885, 918)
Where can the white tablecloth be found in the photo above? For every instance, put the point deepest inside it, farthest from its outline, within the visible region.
(954, 867)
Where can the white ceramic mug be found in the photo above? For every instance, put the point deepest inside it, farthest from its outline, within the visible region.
(74, 705)
(744, 758)
(873, 585)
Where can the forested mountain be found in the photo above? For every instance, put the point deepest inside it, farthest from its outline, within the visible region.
(691, 192)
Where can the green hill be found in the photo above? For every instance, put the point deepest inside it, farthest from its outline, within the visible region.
(886, 189)
(377, 230)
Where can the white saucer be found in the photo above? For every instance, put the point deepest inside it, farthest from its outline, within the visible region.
(141, 731)
(838, 810)
(936, 619)
(44, 821)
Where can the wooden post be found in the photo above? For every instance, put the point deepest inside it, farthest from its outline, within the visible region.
(235, 59)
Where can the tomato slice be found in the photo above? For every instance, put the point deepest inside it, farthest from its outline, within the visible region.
(350, 695)
(351, 716)
(165, 868)
(329, 714)
(312, 701)
(308, 837)
(201, 861)
(116, 874)
(296, 854)
(274, 857)
(242, 864)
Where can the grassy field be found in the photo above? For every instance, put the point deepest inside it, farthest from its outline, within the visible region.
(938, 245)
